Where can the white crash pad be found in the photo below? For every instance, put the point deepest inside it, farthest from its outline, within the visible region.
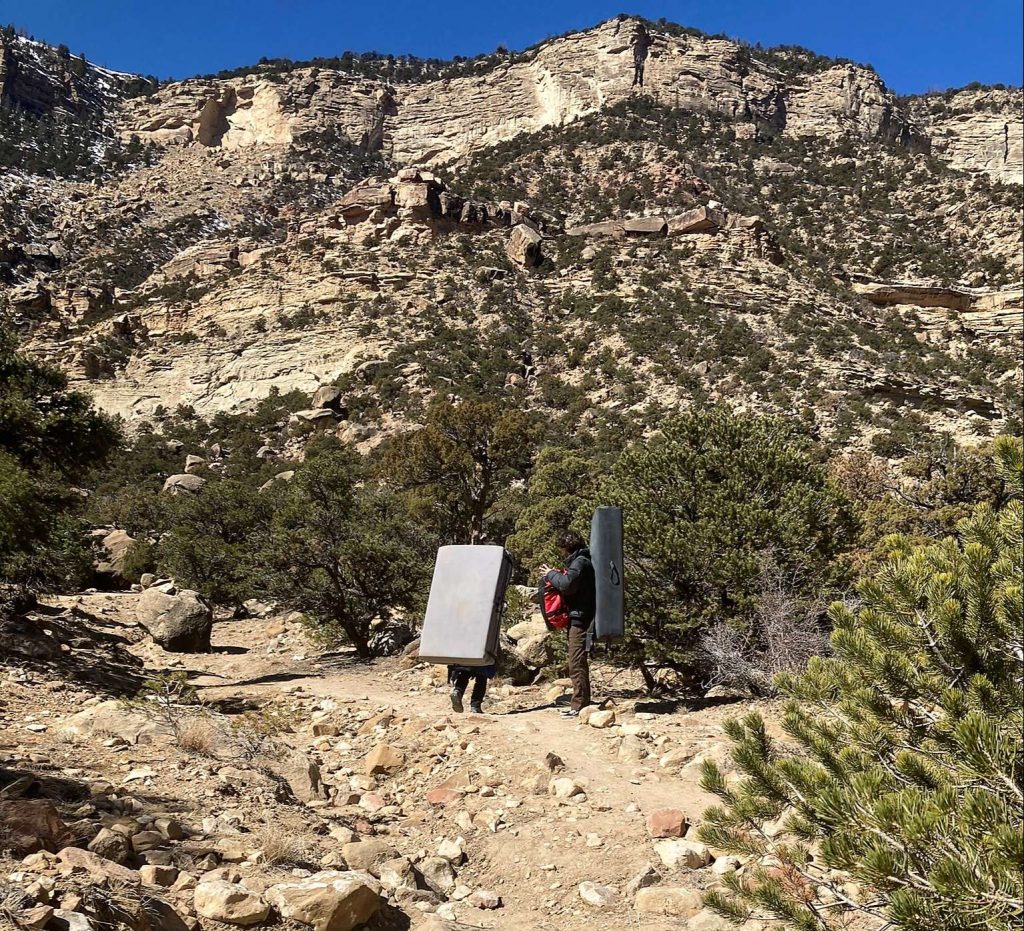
(463, 618)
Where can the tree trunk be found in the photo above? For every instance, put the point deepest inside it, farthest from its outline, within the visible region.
(357, 637)
(649, 680)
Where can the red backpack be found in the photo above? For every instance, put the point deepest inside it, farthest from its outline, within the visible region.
(553, 607)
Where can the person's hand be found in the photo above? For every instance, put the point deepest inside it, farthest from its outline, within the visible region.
(545, 569)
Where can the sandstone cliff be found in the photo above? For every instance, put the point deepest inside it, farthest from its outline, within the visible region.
(977, 130)
(559, 82)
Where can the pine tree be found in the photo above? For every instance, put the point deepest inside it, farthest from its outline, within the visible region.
(904, 792)
(456, 470)
(49, 436)
(559, 495)
(705, 500)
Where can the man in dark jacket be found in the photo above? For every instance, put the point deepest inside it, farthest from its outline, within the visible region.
(577, 587)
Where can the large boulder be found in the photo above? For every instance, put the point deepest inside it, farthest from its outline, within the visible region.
(115, 546)
(524, 246)
(512, 666)
(388, 638)
(534, 627)
(699, 220)
(333, 900)
(535, 650)
(180, 623)
(28, 825)
(184, 482)
(230, 903)
(645, 226)
(328, 396)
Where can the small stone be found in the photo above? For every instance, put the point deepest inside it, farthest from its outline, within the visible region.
(329, 901)
(686, 853)
(454, 851)
(564, 788)
(725, 865)
(442, 797)
(707, 920)
(668, 900)
(368, 854)
(601, 719)
(675, 759)
(158, 875)
(33, 919)
(111, 845)
(597, 895)
(554, 763)
(484, 898)
(384, 760)
(147, 840)
(648, 876)
(397, 874)
(438, 875)
(67, 920)
(170, 828)
(666, 822)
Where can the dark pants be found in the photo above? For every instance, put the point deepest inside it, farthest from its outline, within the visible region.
(579, 668)
(459, 678)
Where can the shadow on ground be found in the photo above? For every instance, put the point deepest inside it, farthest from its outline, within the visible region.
(67, 645)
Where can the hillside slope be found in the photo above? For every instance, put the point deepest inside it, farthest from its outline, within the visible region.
(768, 228)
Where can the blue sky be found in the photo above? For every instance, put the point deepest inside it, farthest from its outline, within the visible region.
(916, 45)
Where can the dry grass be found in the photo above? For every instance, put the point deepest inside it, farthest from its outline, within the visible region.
(11, 902)
(282, 846)
(198, 734)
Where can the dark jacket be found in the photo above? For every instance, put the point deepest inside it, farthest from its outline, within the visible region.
(577, 587)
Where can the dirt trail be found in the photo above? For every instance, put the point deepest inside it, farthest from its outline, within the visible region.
(532, 849)
(539, 862)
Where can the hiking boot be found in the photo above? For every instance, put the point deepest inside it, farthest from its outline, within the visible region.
(476, 708)
(570, 713)
(457, 700)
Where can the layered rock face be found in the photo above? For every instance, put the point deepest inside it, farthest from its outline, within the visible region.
(251, 111)
(732, 225)
(587, 71)
(976, 310)
(562, 80)
(978, 130)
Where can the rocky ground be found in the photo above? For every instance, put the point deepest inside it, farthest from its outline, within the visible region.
(268, 782)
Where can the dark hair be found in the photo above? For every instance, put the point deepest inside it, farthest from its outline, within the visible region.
(570, 541)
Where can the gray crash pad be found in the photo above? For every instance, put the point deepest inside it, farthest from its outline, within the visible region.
(467, 594)
(606, 555)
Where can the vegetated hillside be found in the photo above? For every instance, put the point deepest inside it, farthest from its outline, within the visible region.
(841, 270)
(58, 110)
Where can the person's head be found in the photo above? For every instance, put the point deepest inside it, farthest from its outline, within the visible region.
(568, 542)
